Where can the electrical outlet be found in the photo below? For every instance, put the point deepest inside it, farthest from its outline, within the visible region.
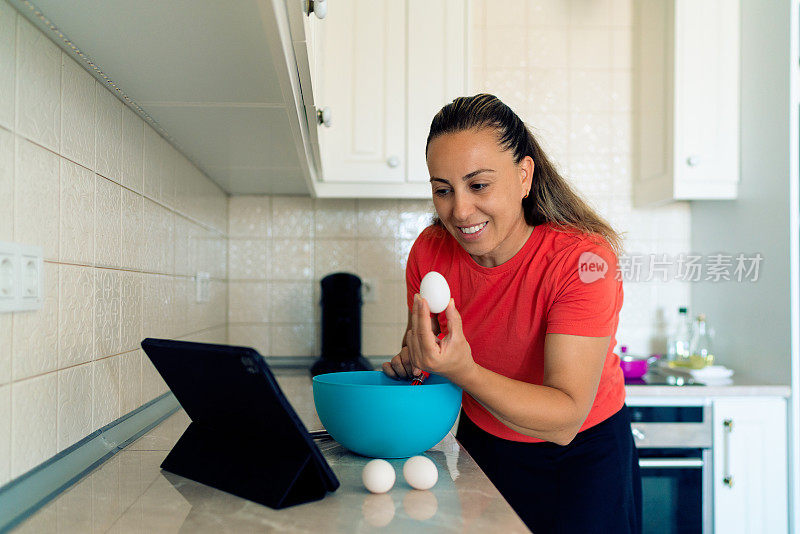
(202, 286)
(21, 277)
(369, 290)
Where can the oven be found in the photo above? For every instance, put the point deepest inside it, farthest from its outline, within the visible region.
(674, 446)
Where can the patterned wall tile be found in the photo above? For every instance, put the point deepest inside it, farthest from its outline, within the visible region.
(166, 246)
(292, 259)
(105, 392)
(334, 255)
(77, 214)
(250, 335)
(156, 305)
(382, 340)
(414, 217)
(291, 302)
(109, 134)
(377, 218)
(5, 426)
(378, 259)
(34, 416)
(107, 314)
(250, 216)
(131, 311)
(292, 217)
(36, 198)
(248, 302)
(152, 383)
(132, 226)
(132, 150)
(247, 259)
(38, 92)
(6, 336)
(77, 114)
(389, 305)
(130, 381)
(74, 404)
(335, 218)
(151, 166)
(8, 35)
(35, 344)
(150, 252)
(183, 233)
(293, 340)
(168, 180)
(108, 223)
(76, 315)
(6, 184)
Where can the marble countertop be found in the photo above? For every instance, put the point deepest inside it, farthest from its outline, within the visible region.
(130, 493)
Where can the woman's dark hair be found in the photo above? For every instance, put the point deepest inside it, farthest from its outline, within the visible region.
(551, 199)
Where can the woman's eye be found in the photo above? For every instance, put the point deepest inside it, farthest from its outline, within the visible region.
(478, 187)
(441, 192)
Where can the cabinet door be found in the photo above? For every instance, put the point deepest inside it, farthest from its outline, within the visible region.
(362, 48)
(437, 52)
(706, 99)
(687, 100)
(750, 467)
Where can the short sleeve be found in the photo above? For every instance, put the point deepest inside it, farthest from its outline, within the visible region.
(587, 294)
(413, 270)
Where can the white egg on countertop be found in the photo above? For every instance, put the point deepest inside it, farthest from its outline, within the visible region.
(435, 290)
(378, 476)
(420, 472)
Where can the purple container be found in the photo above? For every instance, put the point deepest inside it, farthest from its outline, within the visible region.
(634, 366)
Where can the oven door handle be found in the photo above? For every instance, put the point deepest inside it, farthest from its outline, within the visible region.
(670, 463)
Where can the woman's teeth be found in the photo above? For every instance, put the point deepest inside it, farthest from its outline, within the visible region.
(472, 229)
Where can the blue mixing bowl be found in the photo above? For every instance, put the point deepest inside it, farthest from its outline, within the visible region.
(374, 415)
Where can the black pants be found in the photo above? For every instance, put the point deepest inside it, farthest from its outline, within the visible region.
(591, 485)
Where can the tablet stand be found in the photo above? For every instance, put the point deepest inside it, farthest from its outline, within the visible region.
(269, 470)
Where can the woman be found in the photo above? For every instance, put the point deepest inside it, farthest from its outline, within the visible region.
(529, 332)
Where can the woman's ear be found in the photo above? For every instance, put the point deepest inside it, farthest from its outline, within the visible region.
(526, 167)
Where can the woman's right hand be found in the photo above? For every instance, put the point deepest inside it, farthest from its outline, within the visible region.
(400, 366)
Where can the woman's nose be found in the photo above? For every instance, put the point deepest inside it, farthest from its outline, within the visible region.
(462, 207)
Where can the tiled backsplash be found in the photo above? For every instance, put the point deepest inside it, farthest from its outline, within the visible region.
(281, 247)
(124, 221)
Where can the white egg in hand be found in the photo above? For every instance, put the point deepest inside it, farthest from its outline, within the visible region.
(378, 476)
(420, 472)
(435, 290)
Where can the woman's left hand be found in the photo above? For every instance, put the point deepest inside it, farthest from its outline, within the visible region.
(451, 356)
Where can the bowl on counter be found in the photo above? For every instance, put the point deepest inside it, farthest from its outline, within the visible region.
(374, 415)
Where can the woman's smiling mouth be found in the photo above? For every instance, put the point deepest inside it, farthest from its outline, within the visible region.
(472, 232)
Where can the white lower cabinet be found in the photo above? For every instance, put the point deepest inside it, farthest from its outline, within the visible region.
(750, 465)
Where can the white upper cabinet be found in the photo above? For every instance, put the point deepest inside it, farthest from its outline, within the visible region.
(686, 124)
(383, 69)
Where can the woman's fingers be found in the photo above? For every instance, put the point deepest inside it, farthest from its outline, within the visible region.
(388, 371)
(454, 325)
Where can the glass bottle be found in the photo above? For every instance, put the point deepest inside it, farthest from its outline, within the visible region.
(681, 336)
(700, 349)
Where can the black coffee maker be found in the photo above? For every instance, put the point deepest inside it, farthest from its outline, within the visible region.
(341, 325)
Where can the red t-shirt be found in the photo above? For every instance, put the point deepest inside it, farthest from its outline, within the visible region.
(555, 284)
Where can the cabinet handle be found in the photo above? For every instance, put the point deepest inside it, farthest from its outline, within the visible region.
(727, 478)
(318, 7)
(393, 161)
(324, 116)
(693, 160)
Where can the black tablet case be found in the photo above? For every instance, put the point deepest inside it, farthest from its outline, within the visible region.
(245, 438)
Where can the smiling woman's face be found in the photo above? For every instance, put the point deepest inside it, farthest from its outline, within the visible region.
(477, 192)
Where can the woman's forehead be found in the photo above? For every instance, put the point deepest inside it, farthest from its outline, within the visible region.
(466, 145)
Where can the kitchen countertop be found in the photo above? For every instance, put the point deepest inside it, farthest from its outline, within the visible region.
(740, 385)
(130, 493)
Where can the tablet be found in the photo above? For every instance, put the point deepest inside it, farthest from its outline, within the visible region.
(245, 438)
